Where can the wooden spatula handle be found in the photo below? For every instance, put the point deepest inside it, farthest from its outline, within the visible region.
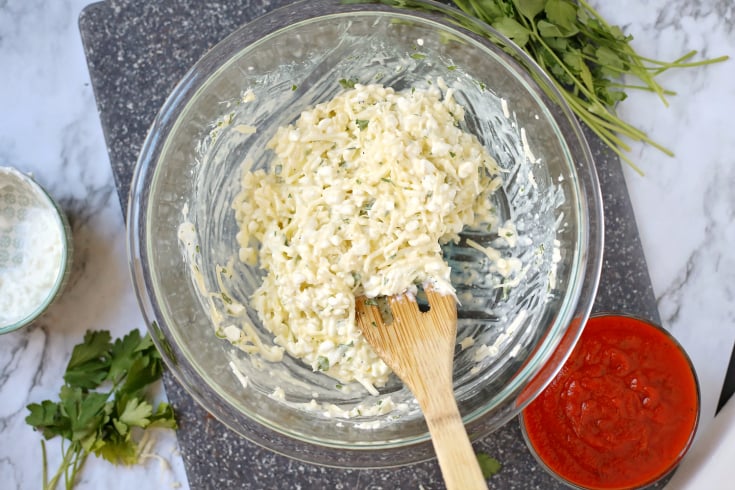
(457, 459)
(419, 347)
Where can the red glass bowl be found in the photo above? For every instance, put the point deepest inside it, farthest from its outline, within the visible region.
(623, 410)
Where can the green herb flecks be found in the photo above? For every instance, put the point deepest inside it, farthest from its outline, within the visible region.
(362, 124)
(103, 398)
(347, 83)
(322, 363)
(356, 277)
(365, 209)
(586, 58)
(488, 465)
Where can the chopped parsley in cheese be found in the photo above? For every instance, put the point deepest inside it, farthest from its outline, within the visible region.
(363, 191)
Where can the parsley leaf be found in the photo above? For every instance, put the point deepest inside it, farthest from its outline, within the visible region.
(512, 29)
(488, 465)
(529, 8)
(46, 417)
(85, 411)
(347, 83)
(90, 361)
(563, 14)
(322, 363)
(136, 413)
(124, 353)
(144, 371)
(118, 449)
(163, 417)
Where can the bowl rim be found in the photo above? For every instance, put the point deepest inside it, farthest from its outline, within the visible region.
(588, 263)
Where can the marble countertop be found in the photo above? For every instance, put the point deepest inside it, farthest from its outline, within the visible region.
(684, 207)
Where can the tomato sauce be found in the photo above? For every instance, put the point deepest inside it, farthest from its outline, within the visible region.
(621, 412)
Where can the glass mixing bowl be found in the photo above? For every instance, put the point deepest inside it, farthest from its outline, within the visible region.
(189, 172)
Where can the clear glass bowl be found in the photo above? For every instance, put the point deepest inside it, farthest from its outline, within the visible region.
(189, 170)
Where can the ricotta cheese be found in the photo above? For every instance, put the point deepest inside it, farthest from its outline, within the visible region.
(361, 194)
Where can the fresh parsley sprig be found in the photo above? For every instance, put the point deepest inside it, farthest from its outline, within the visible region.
(102, 401)
(587, 58)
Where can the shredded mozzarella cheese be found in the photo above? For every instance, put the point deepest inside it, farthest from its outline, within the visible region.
(362, 192)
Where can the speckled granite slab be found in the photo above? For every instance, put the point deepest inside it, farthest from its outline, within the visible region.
(137, 51)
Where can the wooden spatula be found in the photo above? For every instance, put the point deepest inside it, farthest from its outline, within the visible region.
(419, 347)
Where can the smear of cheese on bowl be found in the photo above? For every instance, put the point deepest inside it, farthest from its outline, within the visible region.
(363, 191)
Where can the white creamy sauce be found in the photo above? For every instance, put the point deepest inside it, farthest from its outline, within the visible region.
(245, 129)
(31, 248)
(528, 152)
(222, 309)
(467, 342)
(483, 351)
(369, 408)
(504, 105)
(241, 377)
(555, 259)
(507, 268)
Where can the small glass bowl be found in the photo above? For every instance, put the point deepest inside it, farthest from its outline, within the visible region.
(21, 198)
(670, 466)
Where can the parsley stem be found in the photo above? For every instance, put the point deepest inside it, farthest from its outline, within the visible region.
(44, 462)
(639, 87)
(603, 114)
(617, 125)
(607, 137)
(681, 59)
(605, 124)
(69, 454)
(666, 66)
(80, 458)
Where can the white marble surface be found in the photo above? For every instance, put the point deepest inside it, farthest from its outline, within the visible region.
(685, 207)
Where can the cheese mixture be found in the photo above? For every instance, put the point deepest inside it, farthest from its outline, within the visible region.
(361, 193)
